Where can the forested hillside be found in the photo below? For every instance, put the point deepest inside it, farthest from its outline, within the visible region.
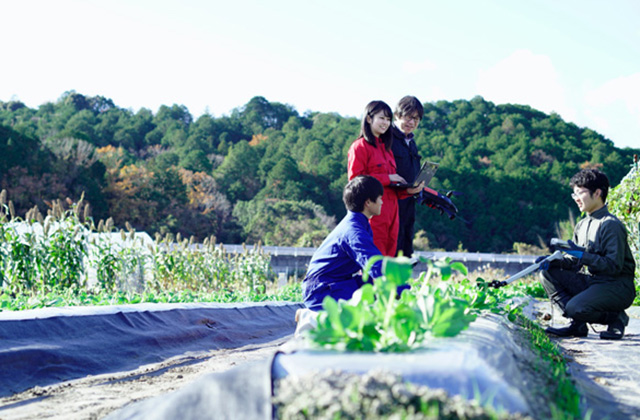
(267, 173)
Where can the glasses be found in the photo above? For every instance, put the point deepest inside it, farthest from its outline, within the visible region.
(413, 118)
(583, 192)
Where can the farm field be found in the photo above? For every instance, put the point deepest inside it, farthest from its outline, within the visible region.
(95, 323)
(606, 375)
(89, 362)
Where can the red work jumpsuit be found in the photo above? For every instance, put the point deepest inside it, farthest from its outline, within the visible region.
(364, 159)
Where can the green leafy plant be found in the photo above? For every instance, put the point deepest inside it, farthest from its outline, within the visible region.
(377, 319)
(624, 202)
(564, 398)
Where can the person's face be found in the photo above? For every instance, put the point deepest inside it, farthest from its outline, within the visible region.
(586, 201)
(374, 208)
(408, 123)
(380, 123)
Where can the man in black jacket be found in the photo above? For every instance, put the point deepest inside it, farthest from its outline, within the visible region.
(407, 117)
(594, 282)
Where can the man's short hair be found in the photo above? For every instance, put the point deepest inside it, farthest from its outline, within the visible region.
(591, 179)
(408, 106)
(359, 190)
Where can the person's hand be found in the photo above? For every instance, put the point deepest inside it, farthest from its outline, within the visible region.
(545, 265)
(397, 178)
(417, 189)
(574, 250)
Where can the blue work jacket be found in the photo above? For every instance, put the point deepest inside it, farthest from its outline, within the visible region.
(336, 267)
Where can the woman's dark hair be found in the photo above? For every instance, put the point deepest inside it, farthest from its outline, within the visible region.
(409, 105)
(591, 179)
(359, 190)
(370, 110)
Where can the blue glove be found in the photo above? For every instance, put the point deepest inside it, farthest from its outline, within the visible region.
(545, 265)
(574, 250)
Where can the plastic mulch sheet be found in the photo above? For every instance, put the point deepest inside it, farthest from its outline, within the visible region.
(46, 346)
(478, 364)
(481, 363)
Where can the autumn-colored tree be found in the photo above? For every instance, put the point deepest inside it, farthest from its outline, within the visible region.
(128, 195)
(207, 201)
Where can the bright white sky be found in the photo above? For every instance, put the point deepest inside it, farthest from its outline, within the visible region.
(579, 58)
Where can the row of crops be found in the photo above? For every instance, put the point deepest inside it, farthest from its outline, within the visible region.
(64, 259)
(442, 302)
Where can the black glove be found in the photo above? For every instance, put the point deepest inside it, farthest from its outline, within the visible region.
(438, 201)
(545, 265)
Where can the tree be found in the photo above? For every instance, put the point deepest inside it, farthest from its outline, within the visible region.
(210, 205)
(195, 160)
(283, 222)
(283, 181)
(259, 114)
(16, 149)
(80, 126)
(237, 176)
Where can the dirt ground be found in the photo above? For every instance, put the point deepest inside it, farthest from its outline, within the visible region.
(94, 397)
(606, 372)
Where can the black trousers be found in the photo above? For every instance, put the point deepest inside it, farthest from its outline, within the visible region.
(407, 218)
(582, 298)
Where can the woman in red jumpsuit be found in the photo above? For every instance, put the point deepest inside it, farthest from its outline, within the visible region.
(371, 155)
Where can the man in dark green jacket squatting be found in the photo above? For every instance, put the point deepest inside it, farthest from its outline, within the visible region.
(594, 282)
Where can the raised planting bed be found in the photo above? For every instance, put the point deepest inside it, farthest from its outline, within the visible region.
(486, 372)
(484, 363)
(438, 347)
(45, 346)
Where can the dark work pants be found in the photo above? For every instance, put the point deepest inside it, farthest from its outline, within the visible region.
(407, 218)
(583, 299)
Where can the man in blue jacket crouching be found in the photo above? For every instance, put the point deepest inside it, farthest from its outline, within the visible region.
(336, 267)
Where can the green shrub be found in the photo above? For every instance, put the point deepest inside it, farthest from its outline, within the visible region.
(624, 202)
